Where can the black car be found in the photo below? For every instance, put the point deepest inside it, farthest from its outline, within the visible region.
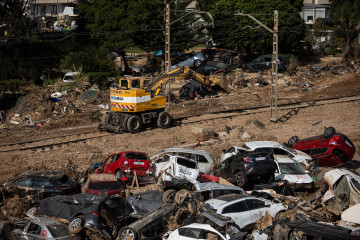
(213, 68)
(48, 183)
(264, 62)
(105, 213)
(241, 168)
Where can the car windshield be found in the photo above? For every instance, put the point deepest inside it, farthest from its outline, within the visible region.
(291, 168)
(105, 185)
(288, 149)
(58, 230)
(186, 163)
(138, 156)
(64, 179)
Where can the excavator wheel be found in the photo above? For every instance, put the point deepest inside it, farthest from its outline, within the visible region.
(134, 124)
(164, 120)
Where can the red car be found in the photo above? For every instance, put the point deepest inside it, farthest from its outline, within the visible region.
(108, 183)
(330, 149)
(124, 164)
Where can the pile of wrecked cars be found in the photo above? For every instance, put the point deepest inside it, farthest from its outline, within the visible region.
(262, 190)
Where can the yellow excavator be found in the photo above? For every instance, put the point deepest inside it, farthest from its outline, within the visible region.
(136, 101)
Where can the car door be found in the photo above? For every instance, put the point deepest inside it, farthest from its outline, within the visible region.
(257, 208)
(266, 63)
(34, 232)
(42, 184)
(239, 212)
(112, 164)
(203, 163)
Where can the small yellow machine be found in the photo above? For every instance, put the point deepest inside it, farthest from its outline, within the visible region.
(136, 101)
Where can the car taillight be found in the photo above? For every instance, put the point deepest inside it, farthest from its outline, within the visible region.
(95, 213)
(281, 62)
(246, 160)
(64, 188)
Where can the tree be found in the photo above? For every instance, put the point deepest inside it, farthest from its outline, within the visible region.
(118, 24)
(243, 33)
(346, 17)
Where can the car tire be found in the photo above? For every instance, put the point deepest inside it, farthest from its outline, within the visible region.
(232, 229)
(32, 211)
(134, 124)
(329, 132)
(76, 224)
(241, 179)
(169, 196)
(164, 120)
(127, 233)
(182, 195)
(197, 63)
(118, 175)
(292, 140)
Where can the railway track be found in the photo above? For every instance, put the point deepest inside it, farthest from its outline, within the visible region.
(41, 143)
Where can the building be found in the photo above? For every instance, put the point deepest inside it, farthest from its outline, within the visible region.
(315, 9)
(61, 10)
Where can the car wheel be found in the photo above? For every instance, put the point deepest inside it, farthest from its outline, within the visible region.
(182, 195)
(197, 63)
(169, 196)
(232, 229)
(134, 124)
(329, 132)
(293, 140)
(119, 175)
(76, 224)
(32, 211)
(127, 233)
(241, 179)
(164, 120)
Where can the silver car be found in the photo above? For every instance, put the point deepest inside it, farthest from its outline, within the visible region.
(40, 228)
(192, 60)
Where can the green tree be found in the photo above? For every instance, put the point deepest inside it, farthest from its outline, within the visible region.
(243, 33)
(346, 16)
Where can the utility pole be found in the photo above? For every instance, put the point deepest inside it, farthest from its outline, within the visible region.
(167, 38)
(167, 31)
(274, 64)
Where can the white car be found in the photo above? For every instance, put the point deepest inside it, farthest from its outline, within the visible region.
(70, 76)
(245, 210)
(195, 231)
(270, 146)
(203, 158)
(291, 171)
(176, 172)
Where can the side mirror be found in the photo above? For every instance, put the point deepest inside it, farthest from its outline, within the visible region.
(138, 197)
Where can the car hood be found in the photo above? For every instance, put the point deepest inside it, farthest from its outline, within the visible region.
(295, 178)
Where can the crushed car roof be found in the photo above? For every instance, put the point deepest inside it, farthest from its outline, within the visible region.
(214, 186)
(179, 150)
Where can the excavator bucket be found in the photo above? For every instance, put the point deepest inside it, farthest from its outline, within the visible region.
(221, 82)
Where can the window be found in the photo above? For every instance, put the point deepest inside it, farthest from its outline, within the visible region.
(236, 207)
(39, 182)
(202, 159)
(34, 229)
(212, 236)
(137, 156)
(114, 158)
(310, 18)
(135, 83)
(255, 204)
(267, 59)
(218, 193)
(146, 82)
(24, 182)
(53, 9)
(185, 155)
(124, 83)
(315, 151)
(279, 151)
(186, 163)
(192, 233)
